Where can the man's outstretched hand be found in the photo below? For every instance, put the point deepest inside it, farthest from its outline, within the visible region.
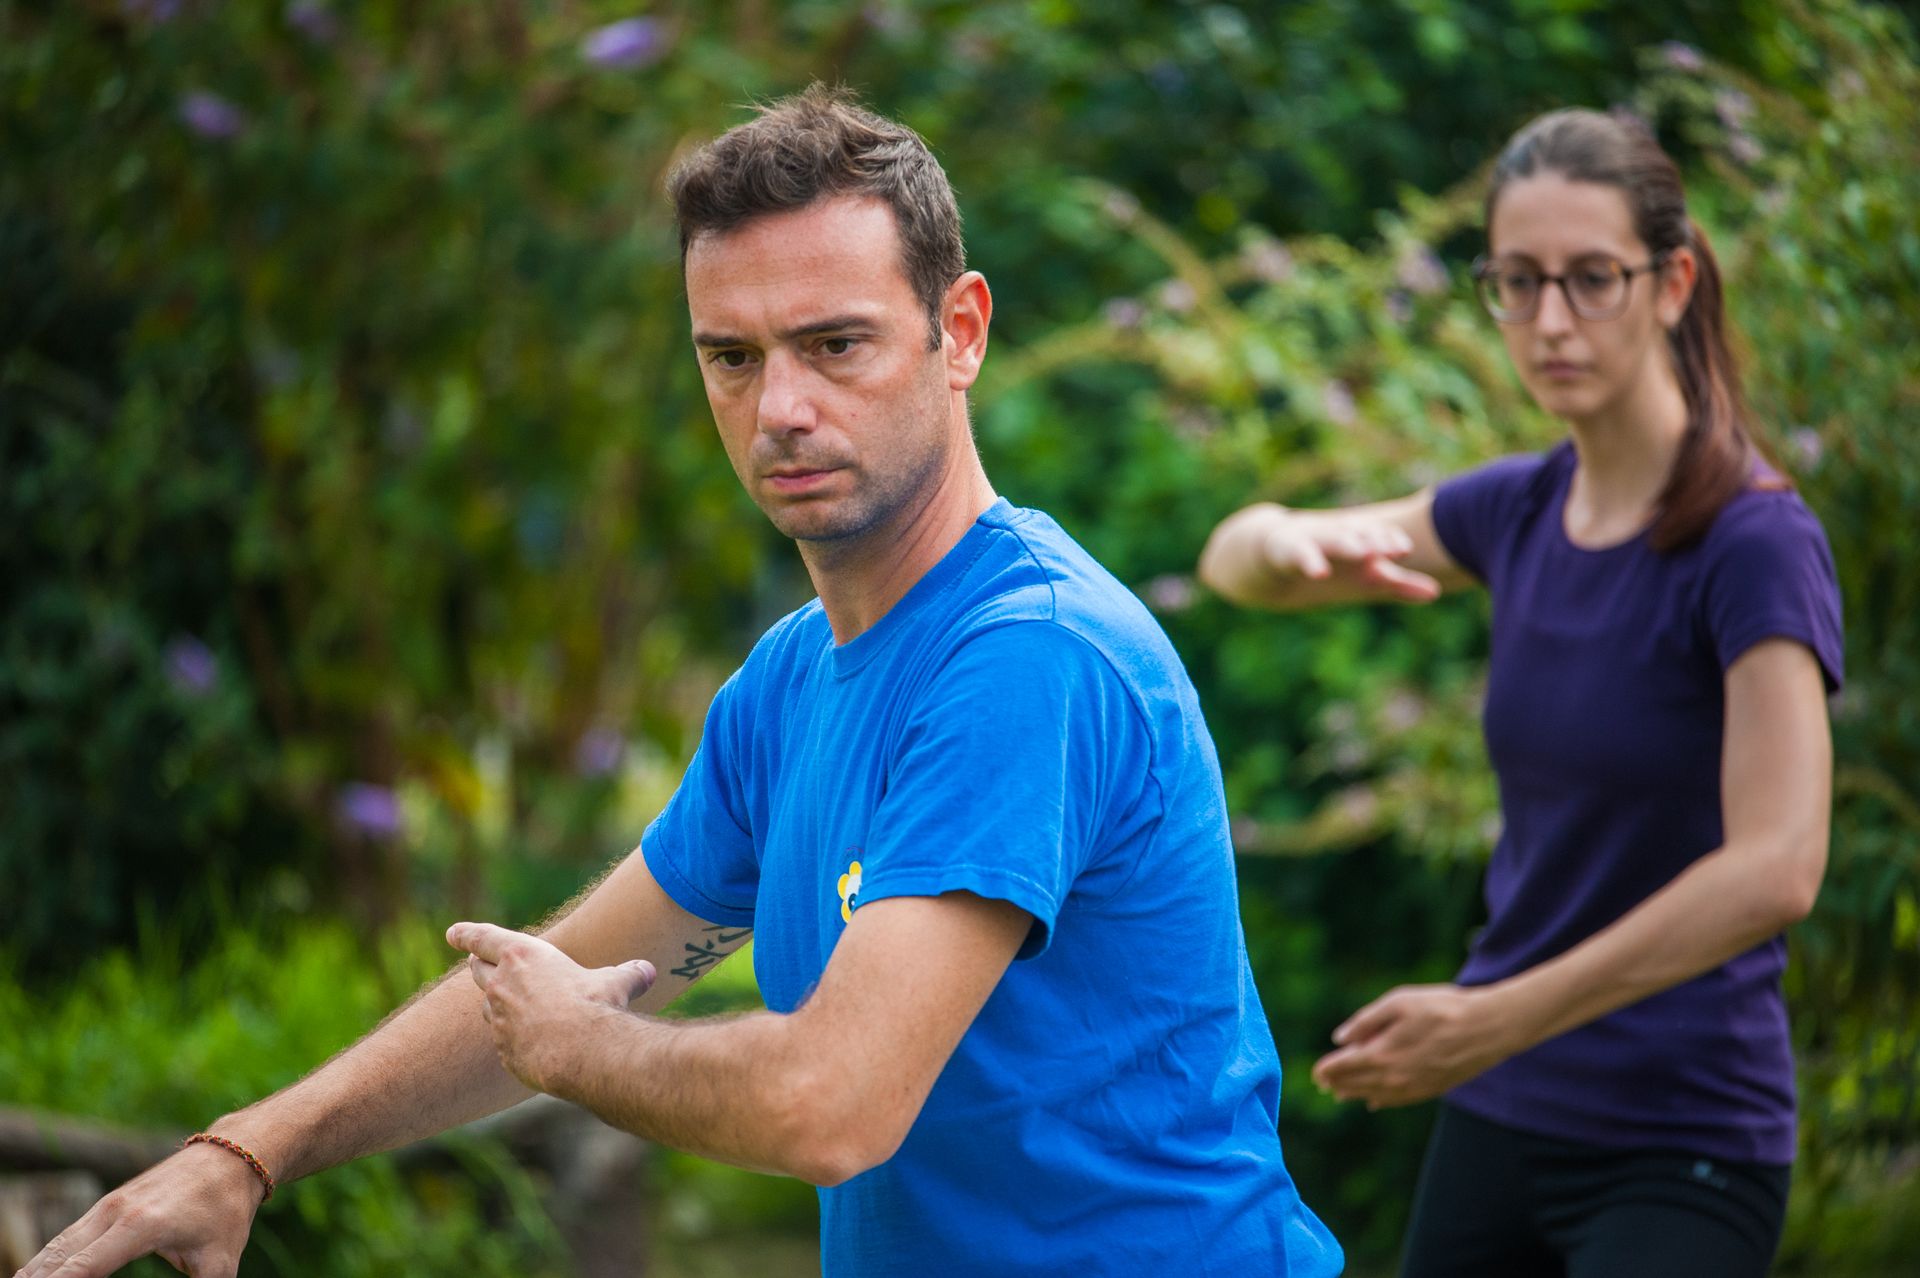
(539, 1002)
(194, 1211)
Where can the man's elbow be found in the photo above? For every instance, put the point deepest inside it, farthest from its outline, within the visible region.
(830, 1137)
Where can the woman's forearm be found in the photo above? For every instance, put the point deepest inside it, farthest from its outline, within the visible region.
(1722, 905)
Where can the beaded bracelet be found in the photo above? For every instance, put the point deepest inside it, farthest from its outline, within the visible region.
(259, 1168)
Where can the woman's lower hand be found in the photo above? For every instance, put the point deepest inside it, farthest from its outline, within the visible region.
(1413, 1043)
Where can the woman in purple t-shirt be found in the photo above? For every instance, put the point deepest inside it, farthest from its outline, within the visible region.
(1617, 1080)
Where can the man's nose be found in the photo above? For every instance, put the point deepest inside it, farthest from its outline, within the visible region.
(786, 398)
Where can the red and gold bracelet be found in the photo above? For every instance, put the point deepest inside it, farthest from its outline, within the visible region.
(259, 1168)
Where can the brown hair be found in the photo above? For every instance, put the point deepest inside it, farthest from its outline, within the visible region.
(815, 145)
(1718, 452)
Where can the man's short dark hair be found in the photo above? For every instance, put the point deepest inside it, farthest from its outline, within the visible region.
(816, 145)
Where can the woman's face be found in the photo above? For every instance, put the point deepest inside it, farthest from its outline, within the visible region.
(1583, 369)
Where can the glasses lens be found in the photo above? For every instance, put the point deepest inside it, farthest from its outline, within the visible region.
(1509, 291)
(1598, 286)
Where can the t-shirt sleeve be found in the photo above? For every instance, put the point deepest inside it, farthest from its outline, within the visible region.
(1024, 749)
(700, 848)
(1474, 511)
(1770, 575)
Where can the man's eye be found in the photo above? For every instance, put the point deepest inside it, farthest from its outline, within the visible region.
(837, 345)
(1519, 282)
(729, 359)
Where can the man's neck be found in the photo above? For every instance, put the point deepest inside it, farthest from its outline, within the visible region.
(859, 582)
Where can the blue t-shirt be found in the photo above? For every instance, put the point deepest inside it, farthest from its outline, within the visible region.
(1018, 727)
(1604, 715)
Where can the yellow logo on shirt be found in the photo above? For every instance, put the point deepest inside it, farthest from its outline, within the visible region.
(849, 891)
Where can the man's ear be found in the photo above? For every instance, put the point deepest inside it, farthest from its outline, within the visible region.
(965, 313)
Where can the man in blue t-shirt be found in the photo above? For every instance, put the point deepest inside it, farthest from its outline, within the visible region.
(965, 801)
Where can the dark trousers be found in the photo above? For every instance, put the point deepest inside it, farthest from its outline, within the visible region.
(1498, 1203)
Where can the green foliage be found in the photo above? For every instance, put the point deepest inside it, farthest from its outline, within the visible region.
(363, 538)
(164, 1039)
(363, 530)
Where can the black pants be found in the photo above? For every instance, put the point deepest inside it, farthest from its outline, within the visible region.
(1498, 1203)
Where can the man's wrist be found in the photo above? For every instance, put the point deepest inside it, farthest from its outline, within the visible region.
(229, 1169)
(269, 1140)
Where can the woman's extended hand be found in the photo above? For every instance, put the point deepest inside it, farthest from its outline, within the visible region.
(1319, 546)
(1413, 1043)
(1270, 556)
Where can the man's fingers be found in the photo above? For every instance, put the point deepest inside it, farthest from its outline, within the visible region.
(484, 940)
(481, 970)
(105, 1254)
(69, 1241)
(631, 979)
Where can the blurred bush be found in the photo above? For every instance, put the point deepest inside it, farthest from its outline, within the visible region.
(363, 532)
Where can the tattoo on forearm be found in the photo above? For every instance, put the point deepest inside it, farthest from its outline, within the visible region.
(719, 943)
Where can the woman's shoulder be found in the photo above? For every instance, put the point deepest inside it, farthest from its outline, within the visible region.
(1767, 517)
(1513, 479)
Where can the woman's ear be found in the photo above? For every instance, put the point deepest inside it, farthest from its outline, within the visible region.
(1674, 286)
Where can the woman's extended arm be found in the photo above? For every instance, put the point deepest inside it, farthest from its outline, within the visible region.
(1269, 556)
(1417, 1041)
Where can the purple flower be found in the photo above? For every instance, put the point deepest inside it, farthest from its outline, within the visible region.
(628, 43)
(1177, 296)
(1420, 271)
(1745, 148)
(1403, 711)
(372, 810)
(1171, 592)
(191, 667)
(314, 21)
(1123, 313)
(1806, 446)
(1733, 107)
(1269, 261)
(1399, 306)
(887, 20)
(1357, 806)
(1682, 57)
(211, 116)
(1336, 399)
(598, 751)
(1120, 206)
(155, 11)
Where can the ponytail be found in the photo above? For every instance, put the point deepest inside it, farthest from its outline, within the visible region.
(1716, 457)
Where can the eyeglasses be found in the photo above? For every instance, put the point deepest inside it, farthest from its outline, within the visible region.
(1596, 286)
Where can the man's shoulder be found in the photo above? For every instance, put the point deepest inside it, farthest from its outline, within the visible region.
(1037, 578)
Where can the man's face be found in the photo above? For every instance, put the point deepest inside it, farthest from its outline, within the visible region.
(813, 347)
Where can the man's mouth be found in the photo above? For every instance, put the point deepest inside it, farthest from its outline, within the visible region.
(797, 479)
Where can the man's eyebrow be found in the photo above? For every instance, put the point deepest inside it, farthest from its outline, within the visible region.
(835, 324)
(813, 328)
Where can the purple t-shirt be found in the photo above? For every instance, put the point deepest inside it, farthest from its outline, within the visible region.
(1604, 717)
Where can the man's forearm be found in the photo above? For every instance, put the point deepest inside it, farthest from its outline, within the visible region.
(739, 1090)
(428, 1067)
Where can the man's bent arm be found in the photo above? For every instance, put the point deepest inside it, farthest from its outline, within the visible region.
(823, 1093)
